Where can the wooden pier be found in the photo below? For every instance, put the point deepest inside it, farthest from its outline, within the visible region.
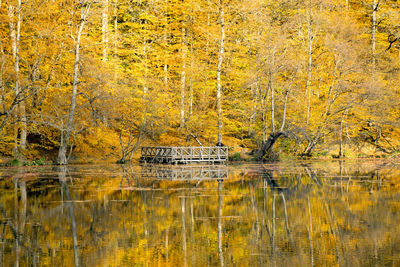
(175, 155)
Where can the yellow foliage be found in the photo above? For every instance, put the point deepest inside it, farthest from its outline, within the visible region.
(157, 82)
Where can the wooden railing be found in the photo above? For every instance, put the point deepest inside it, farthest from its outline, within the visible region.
(184, 154)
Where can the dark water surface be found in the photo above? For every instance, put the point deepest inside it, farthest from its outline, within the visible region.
(286, 214)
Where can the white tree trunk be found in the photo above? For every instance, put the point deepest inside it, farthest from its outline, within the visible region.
(284, 111)
(66, 133)
(166, 47)
(309, 65)
(115, 28)
(253, 112)
(104, 29)
(272, 102)
(219, 70)
(271, 62)
(373, 31)
(264, 95)
(341, 152)
(146, 69)
(191, 77)
(183, 77)
(15, 33)
(115, 39)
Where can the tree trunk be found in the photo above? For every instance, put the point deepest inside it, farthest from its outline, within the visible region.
(272, 102)
(166, 46)
(312, 144)
(271, 81)
(115, 38)
(309, 65)
(341, 152)
(263, 97)
(219, 70)
(191, 77)
(146, 69)
(146, 48)
(165, 76)
(115, 29)
(66, 133)
(183, 77)
(2, 68)
(375, 6)
(267, 146)
(15, 33)
(284, 111)
(138, 142)
(253, 112)
(104, 29)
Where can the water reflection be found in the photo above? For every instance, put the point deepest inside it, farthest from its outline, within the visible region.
(185, 172)
(65, 194)
(220, 205)
(337, 213)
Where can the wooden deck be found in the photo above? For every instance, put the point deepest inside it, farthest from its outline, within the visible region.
(184, 172)
(175, 155)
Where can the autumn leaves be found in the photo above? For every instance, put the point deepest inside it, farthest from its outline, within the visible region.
(114, 74)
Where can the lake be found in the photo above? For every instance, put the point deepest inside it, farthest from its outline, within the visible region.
(297, 213)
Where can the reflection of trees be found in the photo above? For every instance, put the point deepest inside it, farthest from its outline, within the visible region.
(70, 205)
(16, 219)
(306, 189)
(16, 224)
(272, 217)
(2, 239)
(184, 248)
(310, 233)
(294, 184)
(220, 206)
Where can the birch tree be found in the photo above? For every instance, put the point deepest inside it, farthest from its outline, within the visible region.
(219, 70)
(104, 29)
(15, 20)
(183, 75)
(310, 38)
(375, 6)
(69, 127)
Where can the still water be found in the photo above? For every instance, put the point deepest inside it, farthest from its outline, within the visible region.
(286, 214)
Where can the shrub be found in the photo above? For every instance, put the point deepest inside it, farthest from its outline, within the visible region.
(36, 162)
(14, 162)
(236, 157)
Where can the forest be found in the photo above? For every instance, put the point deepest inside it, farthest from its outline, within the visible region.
(270, 79)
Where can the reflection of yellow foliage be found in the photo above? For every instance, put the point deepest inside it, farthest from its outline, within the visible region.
(132, 222)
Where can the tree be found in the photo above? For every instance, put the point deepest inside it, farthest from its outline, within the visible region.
(84, 7)
(219, 70)
(15, 20)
